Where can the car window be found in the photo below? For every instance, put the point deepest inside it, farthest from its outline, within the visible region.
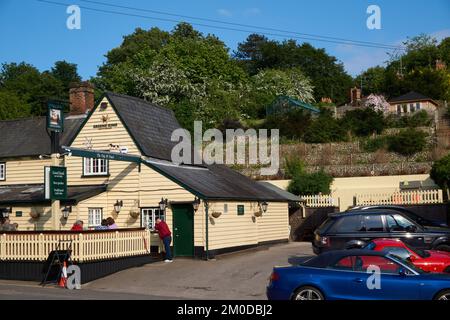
(362, 263)
(346, 224)
(324, 226)
(397, 251)
(370, 246)
(345, 263)
(371, 223)
(397, 222)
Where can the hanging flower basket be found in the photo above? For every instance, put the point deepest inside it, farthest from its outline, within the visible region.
(216, 214)
(134, 214)
(258, 213)
(35, 214)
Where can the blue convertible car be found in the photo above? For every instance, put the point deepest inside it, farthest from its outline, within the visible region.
(356, 274)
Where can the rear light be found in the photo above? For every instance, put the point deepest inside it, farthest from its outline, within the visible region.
(325, 241)
(274, 276)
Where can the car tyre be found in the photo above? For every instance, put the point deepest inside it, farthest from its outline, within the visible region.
(443, 247)
(443, 295)
(307, 293)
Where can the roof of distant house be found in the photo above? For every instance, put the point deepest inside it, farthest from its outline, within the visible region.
(412, 96)
(275, 108)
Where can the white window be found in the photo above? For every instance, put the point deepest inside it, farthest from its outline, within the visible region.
(95, 167)
(95, 216)
(417, 106)
(2, 171)
(149, 216)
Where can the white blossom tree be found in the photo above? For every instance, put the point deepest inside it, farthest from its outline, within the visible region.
(377, 103)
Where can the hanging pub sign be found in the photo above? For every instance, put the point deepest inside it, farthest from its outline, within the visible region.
(55, 183)
(55, 116)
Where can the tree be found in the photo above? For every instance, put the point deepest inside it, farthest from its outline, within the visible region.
(66, 73)
(377, 103)
(12, 107)
(372, 80)
(440, 173)
(324, 129)
(363, 122)
(310, 183)
(407, 142)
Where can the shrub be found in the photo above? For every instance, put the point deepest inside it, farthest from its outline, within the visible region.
(440, 173)
(418, 119)
(310, 183)
(407, 142)
(363, 122)
(325, 129)
(292, 125)
(293, 166)
(374, 144)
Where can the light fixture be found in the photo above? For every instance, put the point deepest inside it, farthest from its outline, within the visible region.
(5, 212)
(263, 205)
(163, 204)
(118, 206)
(66, 211)
(196, 204)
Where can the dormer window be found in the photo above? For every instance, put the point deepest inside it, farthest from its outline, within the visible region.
(2, 171)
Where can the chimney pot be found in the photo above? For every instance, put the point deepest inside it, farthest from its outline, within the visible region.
(81, 96)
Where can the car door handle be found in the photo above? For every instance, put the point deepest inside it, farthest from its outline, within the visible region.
(358, 280)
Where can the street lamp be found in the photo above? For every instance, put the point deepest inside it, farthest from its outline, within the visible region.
(163, 204)
(196, 204)
(118, 206)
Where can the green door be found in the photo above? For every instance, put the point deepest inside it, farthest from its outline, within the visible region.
(183, 230)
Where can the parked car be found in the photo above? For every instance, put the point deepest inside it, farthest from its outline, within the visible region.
(427, 260)
(346, 274)
(357, 227)
(409, 213)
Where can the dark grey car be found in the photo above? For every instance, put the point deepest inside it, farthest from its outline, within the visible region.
(357, 227)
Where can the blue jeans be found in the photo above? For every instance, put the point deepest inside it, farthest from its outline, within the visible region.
(167, 240)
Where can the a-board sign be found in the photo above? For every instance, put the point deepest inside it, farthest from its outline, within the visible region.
(55, 183)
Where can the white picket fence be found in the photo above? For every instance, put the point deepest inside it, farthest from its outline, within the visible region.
(319, 201)
(401, 198)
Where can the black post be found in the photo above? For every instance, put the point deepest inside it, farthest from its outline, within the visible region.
(54, 140)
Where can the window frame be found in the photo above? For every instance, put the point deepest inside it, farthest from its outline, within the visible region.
(91, 210)
(2, 171)
(95, 174)
(154, 213)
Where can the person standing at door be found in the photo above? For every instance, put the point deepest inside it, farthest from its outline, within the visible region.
(166, 236)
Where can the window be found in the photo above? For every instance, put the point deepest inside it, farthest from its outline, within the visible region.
(240, 209)
(362, 263)
(2, 171)
(346, 224)
(225, 208)
(95, 216)
(411, 108)
(345, 263)
(398, 223)
(149, 216)
(95, 167)
(399, 109)
(371, 223)
(397, 251)
(405, 108)
(417, 106)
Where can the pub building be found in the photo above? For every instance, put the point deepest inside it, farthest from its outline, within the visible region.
(117, 153)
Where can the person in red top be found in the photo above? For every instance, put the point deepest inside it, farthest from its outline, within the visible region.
(166, 236)
(77, 226)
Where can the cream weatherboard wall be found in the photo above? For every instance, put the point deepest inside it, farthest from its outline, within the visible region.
(24, 171)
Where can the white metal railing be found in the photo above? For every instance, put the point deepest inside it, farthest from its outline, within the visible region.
(318, 201)
(401, 197)
(86, 246)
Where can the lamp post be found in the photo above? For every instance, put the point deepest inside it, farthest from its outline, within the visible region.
(118, 206)
(196, 204)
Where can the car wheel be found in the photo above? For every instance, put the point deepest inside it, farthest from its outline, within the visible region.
(308, 293)
(443, 247)
(447, 270)
(443, 295)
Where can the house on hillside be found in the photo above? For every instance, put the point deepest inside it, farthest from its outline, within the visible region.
(412, 102)
(118, 158)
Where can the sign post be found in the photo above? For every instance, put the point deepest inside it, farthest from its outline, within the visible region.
(55, 124)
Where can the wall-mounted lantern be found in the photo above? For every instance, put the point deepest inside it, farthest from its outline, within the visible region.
(163, 204)
(66, 211)
(118, 206)
(5, 212)
(196, 204)
(263, 205)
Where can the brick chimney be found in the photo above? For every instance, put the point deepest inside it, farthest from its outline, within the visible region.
(81, 98)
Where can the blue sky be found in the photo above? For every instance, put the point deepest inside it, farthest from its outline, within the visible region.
(36, 32)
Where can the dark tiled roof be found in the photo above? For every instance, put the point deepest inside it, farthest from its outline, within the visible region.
(290, 196)
(411, 96)
(216, 182)
(28, 137)
(34, 193)
(150, 125)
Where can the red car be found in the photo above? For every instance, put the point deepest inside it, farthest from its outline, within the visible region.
(427, 260)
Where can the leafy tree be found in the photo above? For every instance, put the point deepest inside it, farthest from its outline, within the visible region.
(377, 103)
(407, 142)
(325, 129)
(310, 184)
(292, 125)
(440, 173)
(373, 80)
(12, 107)
(363, 122)
(66, 73)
